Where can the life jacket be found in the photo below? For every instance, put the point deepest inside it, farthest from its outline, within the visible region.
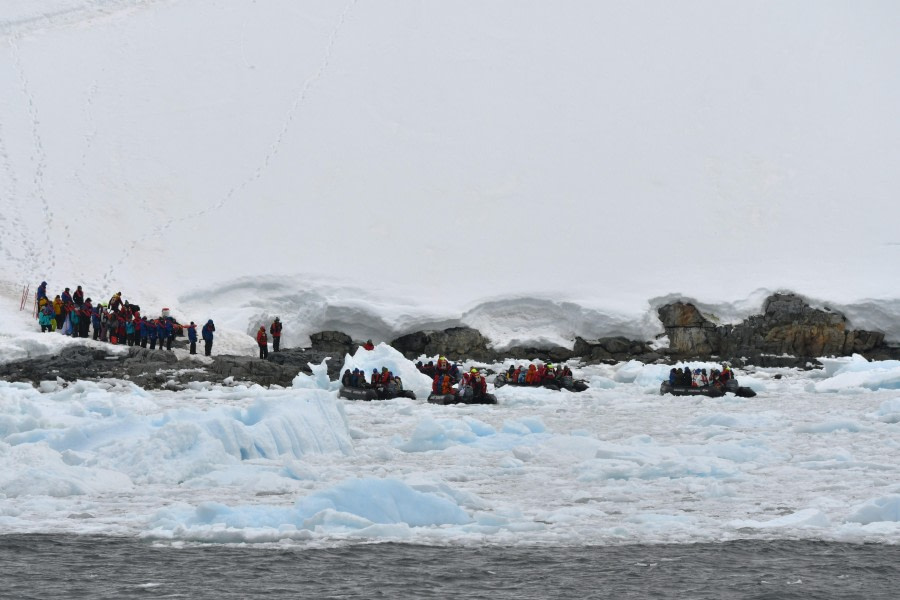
(531, 375)
(442, 384)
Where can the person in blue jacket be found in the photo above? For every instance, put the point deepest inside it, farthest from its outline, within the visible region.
(161, 332)
(192, 336)
(170, 332)
(151, 333)
(145, 332)
(129, 332)
(207, 333)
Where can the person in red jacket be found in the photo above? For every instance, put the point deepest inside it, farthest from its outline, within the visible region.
(263, 340)
(478, 383)
(275, 330)
(368, 345)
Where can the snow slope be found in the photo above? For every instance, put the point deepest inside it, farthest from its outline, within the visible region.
(530, 169)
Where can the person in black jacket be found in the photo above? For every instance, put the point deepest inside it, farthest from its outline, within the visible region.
(207, 332)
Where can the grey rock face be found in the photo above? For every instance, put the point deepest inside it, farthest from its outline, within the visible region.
(788, 327)
(612, 349)
(335, 342)
(299, 359)
(456, 343)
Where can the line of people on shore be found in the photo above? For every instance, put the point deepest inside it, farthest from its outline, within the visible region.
(121, 322)
(116, 322)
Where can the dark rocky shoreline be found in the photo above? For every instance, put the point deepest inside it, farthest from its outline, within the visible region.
(788, 333)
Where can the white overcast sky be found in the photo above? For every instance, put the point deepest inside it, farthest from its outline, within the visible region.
(584, 149)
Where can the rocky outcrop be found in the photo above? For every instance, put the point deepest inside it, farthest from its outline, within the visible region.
(553, 354)
(297, 360)
(336, 343)
(456, 343)
(248, 368)
(147, 368)
(150, 369)
(788, 332)
(613, 349)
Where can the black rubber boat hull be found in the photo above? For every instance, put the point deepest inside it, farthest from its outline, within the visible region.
(710, 391)
(573, 385)
(351, 393)
(454, 399)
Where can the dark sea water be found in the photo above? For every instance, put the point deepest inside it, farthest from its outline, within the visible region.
(48, 566)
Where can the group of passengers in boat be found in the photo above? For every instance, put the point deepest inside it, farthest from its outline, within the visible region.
(472, 384)
(441, 367)
(357, 378)
(537, 374)
(687, 377)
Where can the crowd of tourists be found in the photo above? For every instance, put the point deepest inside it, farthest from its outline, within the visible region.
(119, 321)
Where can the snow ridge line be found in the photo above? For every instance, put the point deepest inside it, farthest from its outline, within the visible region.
(85, 150)
(89, 12)
(292, 111)
(270, 154)
(10, 226)
(40, 159)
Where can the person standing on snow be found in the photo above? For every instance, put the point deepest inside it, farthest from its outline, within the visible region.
(207, 333)
(192, 337)
(275, 330)
(263, 340)
(78, 296)
(58, 311)
(170, 332)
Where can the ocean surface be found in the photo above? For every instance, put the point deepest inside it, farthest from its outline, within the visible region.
(67, 566)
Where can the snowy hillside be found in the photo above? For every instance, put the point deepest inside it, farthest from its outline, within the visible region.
(531, 170)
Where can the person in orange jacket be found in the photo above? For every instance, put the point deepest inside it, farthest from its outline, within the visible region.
(263, 340)
(442, 384)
